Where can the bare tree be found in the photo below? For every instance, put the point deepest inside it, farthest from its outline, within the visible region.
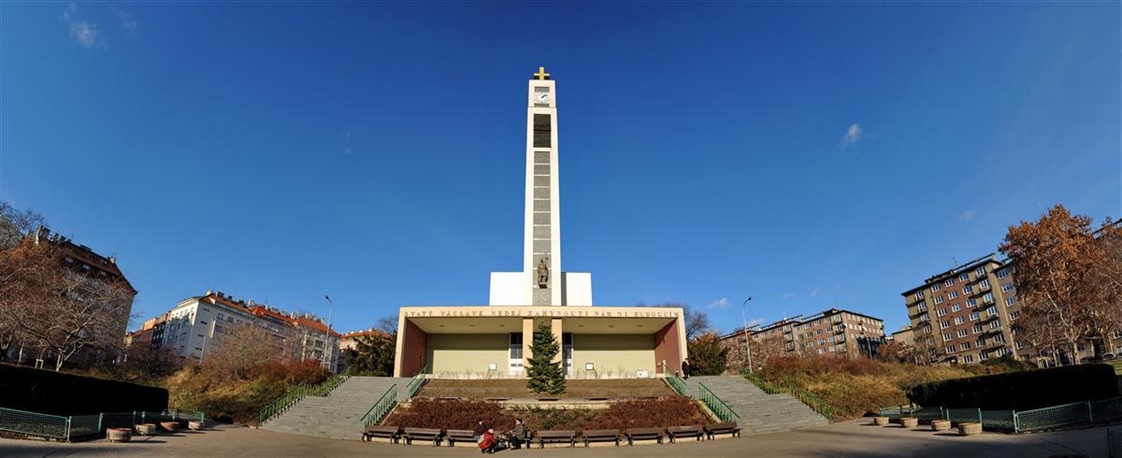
(697, 321)
(239, 351)
(45, 303)
(16, 223)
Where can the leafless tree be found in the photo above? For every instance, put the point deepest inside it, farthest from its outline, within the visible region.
(239, 351)
(16, 223)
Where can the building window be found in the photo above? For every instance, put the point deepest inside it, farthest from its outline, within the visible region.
(1003, 273)
(978, 329)
(936, 287)
(967, 289)
(944, 325)
(988, 297)
(956, 307)
(983, 356)
(962, 333)
(1014, 314)
(968, 358)
(942, 312)
(922, 307)
(985, 283)
(949, 282)
(954, 294)
(964, 346)
(964, 277)
(1011, 300)
(949, 349)
(1006, 287)
(947, 336)
(971, 303)
(996, 324)
(959, 319)
(919, 295)
(991, 311)
(999, 339)
(975, 316)
(981, 270)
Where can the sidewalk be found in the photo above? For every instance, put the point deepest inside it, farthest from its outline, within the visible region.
(847, 439)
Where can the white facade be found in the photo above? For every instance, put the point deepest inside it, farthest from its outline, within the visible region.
(191, 326)
(542, 242)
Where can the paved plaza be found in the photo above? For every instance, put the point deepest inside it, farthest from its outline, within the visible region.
(846, 439)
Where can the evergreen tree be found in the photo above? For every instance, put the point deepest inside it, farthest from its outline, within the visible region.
(372, 356)
(545, 375)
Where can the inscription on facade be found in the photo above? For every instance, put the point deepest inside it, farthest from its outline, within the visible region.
(541, 313)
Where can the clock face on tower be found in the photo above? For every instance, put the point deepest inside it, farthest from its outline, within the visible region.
(541, 97)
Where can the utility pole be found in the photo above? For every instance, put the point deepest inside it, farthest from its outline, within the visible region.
(747, 343)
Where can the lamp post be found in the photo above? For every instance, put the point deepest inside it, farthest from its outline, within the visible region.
(744, 324)
(327, 338)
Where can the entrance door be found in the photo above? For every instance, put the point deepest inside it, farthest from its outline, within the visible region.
(515, 354)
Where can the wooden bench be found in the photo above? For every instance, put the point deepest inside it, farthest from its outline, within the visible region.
(421, 433)
(722, 428)
(557, 436)
(601, 435)
(675, 432)
(393, 433)
(638, 434)
(464, 435)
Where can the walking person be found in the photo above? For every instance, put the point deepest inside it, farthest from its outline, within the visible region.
(480, 428)
(686, 368)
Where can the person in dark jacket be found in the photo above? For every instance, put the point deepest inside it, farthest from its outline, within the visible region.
(518, 435)
(480, 428)
(686, 368)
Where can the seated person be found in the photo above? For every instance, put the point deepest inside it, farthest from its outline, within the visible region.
(488, 444)
(519, 435)
(480, 428)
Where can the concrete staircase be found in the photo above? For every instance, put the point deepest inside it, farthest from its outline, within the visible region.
(760, 413)
(339, 414)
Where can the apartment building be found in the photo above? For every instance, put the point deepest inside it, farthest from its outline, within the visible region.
(833, 332)
(195, 325)
(963, 315)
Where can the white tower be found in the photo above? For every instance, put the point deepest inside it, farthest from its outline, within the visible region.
(541, 282)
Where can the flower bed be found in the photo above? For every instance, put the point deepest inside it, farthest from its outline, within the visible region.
(463, 413)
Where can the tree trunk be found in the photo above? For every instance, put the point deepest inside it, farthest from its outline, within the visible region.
(58, 363)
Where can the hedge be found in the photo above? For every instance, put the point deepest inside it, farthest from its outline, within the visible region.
(1021, 390)
(55, 393)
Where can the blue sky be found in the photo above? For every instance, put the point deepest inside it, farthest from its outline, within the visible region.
(810, 155)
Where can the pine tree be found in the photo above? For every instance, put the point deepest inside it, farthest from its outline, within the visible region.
(545, 374)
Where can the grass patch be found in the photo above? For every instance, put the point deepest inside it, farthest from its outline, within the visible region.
(483, 389)
(633, 413)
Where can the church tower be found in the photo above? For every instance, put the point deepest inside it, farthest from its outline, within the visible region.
(542, 251)
(541, 282)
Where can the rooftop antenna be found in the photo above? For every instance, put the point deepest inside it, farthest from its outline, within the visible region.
(954, 261)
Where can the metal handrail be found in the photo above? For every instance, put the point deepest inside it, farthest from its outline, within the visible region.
(806, 397)
(719, 407)
(677, 384)
(415, 385)
(381, 408)
(297, 393)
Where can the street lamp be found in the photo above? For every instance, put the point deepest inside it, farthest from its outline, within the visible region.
(744, 324)
(327, 338)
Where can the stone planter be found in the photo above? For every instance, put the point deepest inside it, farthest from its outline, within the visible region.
(170, 426)
(909, 422)
(195, 425)
(940, 425)
(969, 428)
(880, 421)
(118, 434)
(146, 429)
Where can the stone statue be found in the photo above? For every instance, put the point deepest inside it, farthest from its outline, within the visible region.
(543, 273)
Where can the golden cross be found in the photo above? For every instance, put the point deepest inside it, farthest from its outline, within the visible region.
(541, 74)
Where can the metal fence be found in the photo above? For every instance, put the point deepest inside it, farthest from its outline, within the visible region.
(34, 424)
(676, 384)
(1085, 413)
(84, 426)
(1114, 442)
(381, 408)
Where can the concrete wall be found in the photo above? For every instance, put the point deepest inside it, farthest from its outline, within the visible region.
(413, 350)
(508, 288)
(668, 348)
(610, 353)
(454, 355)
(577, 288)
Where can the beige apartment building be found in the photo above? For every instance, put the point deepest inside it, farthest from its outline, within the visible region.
(834, 333)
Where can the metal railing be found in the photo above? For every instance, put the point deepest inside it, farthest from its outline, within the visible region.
(297, 393)
(677, 384)
(379, 410)
(814, 402)
(1087, 413)
(1114, 442)
(415, 385)
(34, 424)
(1053, 417)
(719, 408)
